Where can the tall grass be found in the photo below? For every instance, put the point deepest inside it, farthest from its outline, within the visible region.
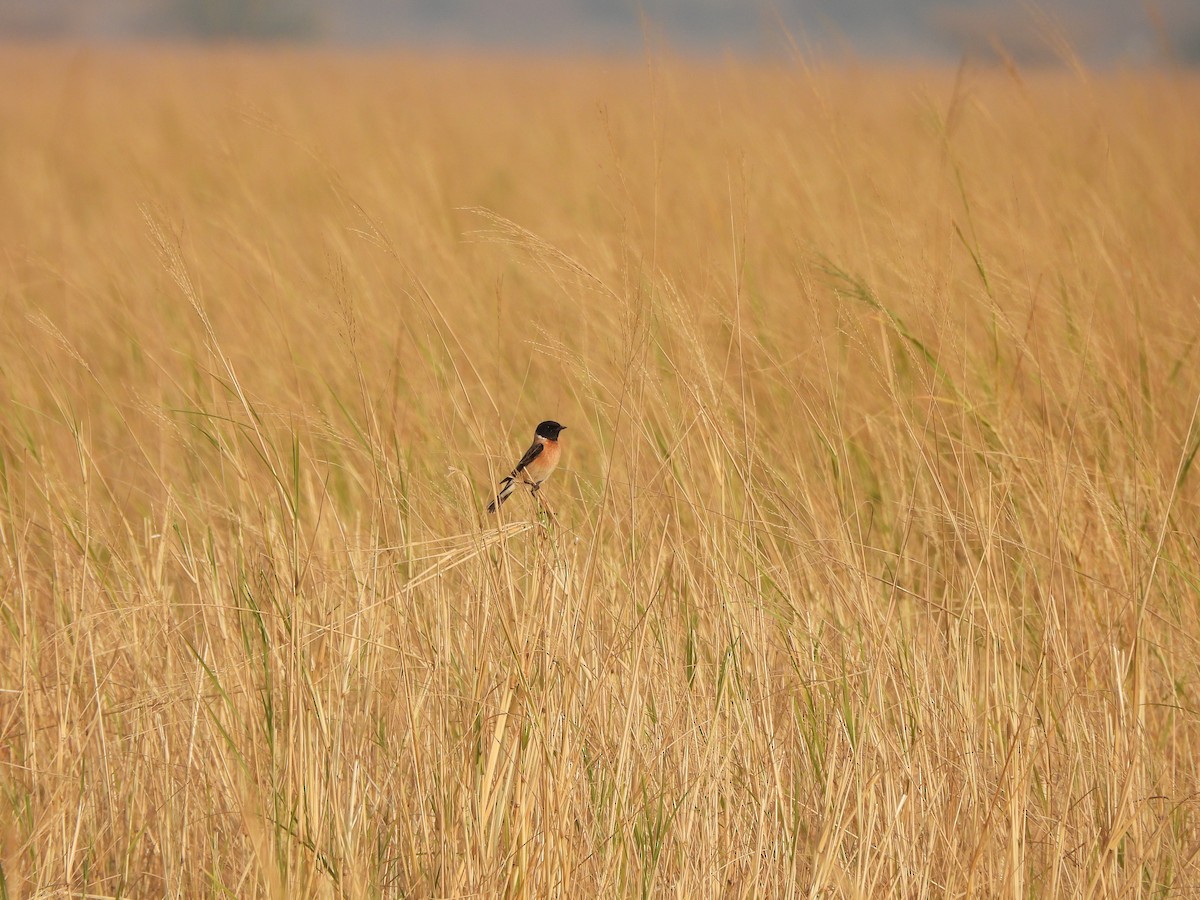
(874, 564)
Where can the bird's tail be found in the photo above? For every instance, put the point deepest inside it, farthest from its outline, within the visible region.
(507, 486)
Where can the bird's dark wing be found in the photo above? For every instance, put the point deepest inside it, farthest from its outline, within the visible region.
(534, 451)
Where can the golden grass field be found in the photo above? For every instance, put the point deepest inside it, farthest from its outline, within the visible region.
(876, 562)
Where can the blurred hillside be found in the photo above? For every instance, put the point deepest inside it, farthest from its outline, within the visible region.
(1101, 31)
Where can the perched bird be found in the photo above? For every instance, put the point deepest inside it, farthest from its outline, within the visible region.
(536, 465)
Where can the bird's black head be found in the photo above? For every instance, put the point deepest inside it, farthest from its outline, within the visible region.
(549, 430)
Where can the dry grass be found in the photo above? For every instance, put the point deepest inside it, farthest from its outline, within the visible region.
(877, 571)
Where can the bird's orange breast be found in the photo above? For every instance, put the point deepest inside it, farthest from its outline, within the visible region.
(540, 468)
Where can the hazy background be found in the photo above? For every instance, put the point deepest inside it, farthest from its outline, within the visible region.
(1102, 32)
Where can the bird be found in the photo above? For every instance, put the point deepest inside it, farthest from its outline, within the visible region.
(536, 465)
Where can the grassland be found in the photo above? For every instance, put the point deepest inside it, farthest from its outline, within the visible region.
(876, 568)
